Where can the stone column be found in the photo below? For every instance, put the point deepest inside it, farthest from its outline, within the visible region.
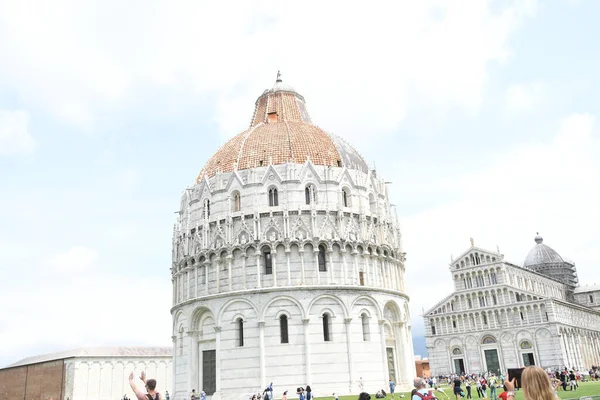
(206, 264)
(187, 284)
(563, 348)
(388, 271)
(289, 270)
(401, 353)
(274, 265)
(181, 292)
(344, 266)
(244, 257)
(196, 280)
(330, 270)
(347, 321)
(410, 362)
(193, 360)
(568, 349)
(305, 321)
(258, 269)
(229, 261)
(355, 263)
(368, 278)
(302, 274)
(383, 352)
(174, 282)
(174, 368)
(218, 361)
(218, 267)
(316, 252)
(261, 339)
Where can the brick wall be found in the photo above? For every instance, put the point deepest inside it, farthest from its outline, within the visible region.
(33, 382)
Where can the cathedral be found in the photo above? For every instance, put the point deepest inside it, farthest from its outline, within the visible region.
(288, 266)
(503, 315)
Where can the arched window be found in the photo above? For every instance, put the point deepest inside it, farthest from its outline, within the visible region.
(273, 197)
(322, 259)
(488, 340)
(240, 332)
(326, 327)
(345, 198)
(283, 329)
(206, 208)
(236, 202)
(525, 344)
(268, 261)
(365, 327)
(310, 195)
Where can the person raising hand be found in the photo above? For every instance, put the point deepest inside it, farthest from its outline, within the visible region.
(149, 384)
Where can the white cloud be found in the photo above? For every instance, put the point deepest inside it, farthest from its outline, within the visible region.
(428, 54)
(75, 309)
(76, 259)
(522, 98)
(14, 133)
(548, 187)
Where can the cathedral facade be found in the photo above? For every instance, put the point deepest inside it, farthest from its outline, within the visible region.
(503, 315)
(288, 265)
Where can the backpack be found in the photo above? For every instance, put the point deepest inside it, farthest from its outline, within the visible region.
(425, 396)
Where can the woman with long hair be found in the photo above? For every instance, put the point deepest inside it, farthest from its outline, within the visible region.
(535, 383)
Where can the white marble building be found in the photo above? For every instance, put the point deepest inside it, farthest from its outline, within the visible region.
(502, 315)
(287, 265)
(92, 373)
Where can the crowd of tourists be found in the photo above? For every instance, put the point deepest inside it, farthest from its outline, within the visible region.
(535, 382)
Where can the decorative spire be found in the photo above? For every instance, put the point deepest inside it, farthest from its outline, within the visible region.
(538, 238)
(278, 76)
(472, 242)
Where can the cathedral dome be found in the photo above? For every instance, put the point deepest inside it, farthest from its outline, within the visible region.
(541, 254)
(281, 131)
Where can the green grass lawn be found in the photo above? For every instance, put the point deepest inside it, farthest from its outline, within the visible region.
(585, 389)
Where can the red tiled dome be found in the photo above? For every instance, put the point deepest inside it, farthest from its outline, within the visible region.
(281, 131)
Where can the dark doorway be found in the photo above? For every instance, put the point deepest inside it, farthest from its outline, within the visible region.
(528, 359)
(209, 372)
(391, 363)
(459, 366)
(492, 362)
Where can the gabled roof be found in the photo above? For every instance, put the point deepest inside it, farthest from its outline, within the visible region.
(97, 352)
(474, 249)
(439, 303)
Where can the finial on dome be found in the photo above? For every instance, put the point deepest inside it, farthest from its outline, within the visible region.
(278, 76)
(538, 238)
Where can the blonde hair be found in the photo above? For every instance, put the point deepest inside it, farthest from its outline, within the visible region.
(536, 384)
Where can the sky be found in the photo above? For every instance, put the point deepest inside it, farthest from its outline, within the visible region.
(483, 114)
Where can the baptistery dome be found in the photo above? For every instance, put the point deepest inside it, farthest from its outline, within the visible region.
(281, 131)
(288, 265)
